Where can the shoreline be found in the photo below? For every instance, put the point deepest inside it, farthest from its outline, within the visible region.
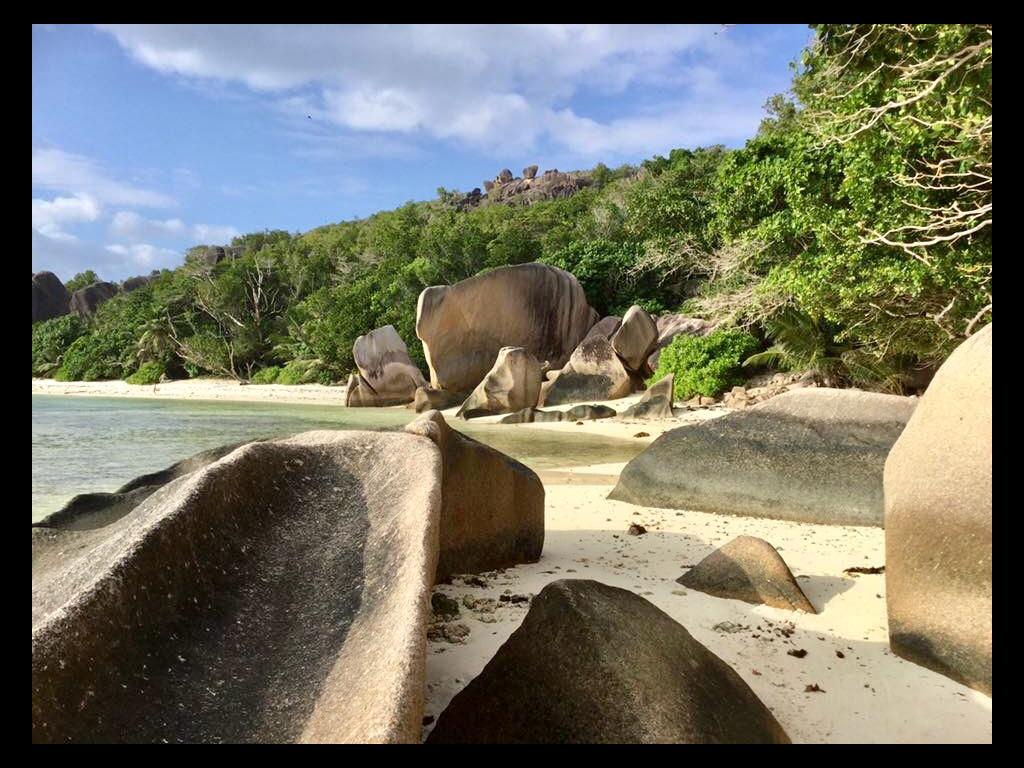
(198, 389)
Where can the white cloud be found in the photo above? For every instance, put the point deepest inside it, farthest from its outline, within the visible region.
(61, 171)
(212, 234)
(505, 87)
(130, 225)
(50, 216)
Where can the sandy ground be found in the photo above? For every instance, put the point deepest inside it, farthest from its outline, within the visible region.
(198, 389)
(868, 695)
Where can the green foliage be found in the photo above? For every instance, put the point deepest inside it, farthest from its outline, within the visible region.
(302, 372)
(148, 373)
(98, 356)
(705, 365)
(266, 376)
(81, 280)
(50, 340)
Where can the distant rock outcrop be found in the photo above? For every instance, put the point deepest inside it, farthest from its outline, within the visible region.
(748, 569)
(49, 297)
(597, 664)
(211, 255)
(134, 283)
(463, 326)
(938, 522)
(813, 455)
(85, 301)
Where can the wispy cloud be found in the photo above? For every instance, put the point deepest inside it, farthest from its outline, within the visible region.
(509, 87)
(60, 171)
(50, 216)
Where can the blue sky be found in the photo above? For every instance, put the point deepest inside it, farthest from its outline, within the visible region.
(149, 139)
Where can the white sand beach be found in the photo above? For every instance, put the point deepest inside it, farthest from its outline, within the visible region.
(868, 695)
(198, 389)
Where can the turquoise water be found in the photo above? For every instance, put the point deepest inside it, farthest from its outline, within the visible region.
(82, 444)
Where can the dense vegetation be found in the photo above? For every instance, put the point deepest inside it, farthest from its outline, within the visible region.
(852, 236)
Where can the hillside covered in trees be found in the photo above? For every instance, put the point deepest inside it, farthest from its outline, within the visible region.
(851, 236)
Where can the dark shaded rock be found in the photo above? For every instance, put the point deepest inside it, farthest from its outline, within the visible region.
(938, 522)
(636, 530)
(530, 171)
(813, 455)
(597, 664)
(530, 415)
(594, 372)
(49, 297)
(211, 255)
(656, 402)
(444, 606)
(512, 384)
(635, 338)
(277, 595)
(748, 569)
(134, 283)
(463, 326)
(85, 301)
(504, 177)
(429, 399)
(589, 412)
(492, 513)
(606, 327)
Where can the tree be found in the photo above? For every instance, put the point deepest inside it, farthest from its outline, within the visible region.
(81, 280)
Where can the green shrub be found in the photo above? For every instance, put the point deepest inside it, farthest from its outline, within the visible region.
(705, 365)
(50, 340)
(97, 356)
(300, 372)
(266, 376)
(148, 373)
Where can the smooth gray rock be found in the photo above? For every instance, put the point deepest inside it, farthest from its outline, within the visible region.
(387, 375)
(513, 383)
(597, 664)
(279, 594)
(606, 327)
(811, 455)
(938, 522)
(594, 372)
(530, 415)
(656, 402)
(429, 399)
(635, 338)
(589, 412)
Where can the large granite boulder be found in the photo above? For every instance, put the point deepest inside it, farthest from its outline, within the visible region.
(87, 511)
(748, 569)
(938, 522)
(85, 301)
(279, 594)
(513, 383)
(134, 283)
(463, 326)
(597, 664)
(594, 372)
(429, 399)
(49, 297)
(387, 375)
(589, 412)
(811, 455)
(492, 512)
(635, 338)
(670, 326)
(656, 402)
(212, 255)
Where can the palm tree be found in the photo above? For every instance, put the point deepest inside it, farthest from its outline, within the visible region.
(156, 341)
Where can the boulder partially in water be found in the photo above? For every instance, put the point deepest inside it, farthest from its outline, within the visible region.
(812, 455)
(597, 664)
(278, 594)
(387, 375)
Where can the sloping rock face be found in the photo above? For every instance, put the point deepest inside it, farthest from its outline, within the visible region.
(670, 326)
(656, 402)
(276, 595)
(429, 399)
(751, 570)
(813, 455)
(597, 664)
(87, 511)
(134, 283)
(606, 326)
(530, 415)
(463, 326)
(938, 522)
(49, 297)
(594, 372)
(492, 514)
(85, 301)
(387, 375)
(511, 385)
(635, 338)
